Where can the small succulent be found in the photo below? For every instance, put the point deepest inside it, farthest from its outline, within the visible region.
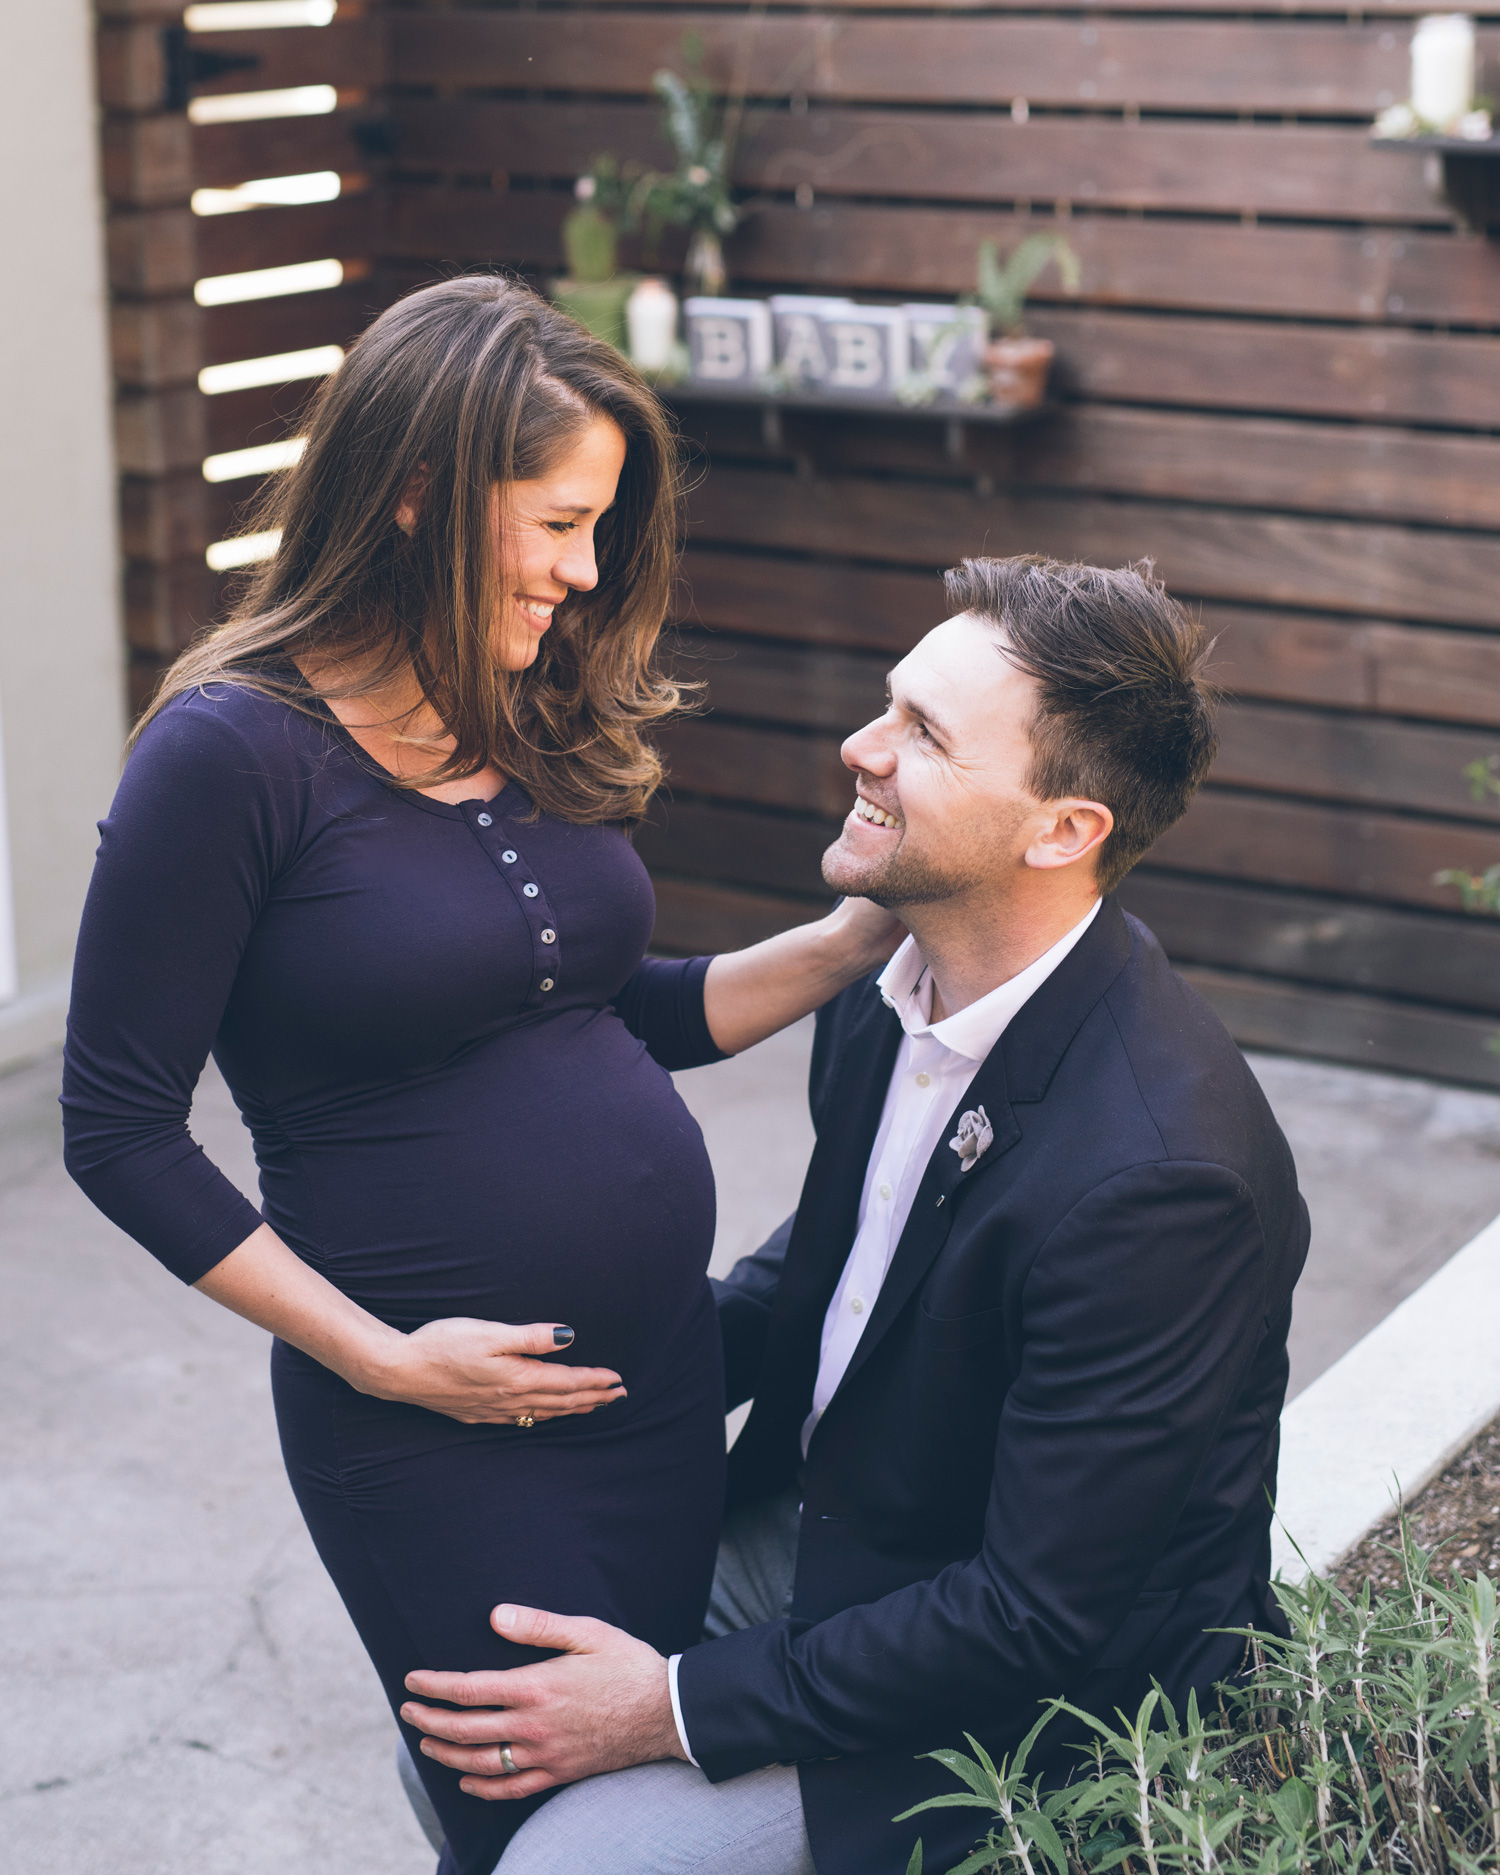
(1004, 285)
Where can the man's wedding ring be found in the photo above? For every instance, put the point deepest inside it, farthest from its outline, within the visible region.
(524, 1419)
(507, 1762)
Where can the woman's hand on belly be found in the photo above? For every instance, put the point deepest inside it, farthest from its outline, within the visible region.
(488, 1373)
(482, 1373)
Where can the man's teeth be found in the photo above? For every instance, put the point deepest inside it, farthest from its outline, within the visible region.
(877, 816)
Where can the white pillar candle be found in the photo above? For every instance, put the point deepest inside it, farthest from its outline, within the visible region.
(651, 315)
(1442, 69)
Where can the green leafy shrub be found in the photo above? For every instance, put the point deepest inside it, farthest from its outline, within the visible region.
(1367, 1740)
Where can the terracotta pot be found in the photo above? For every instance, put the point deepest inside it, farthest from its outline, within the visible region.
(1018, 370)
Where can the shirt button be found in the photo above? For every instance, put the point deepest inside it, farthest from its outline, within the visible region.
(531, 890)
(857, 1304)
(509, 857)
(885, 1191)
(546, 983)
(924, 1080)
(549, 937)
(484, 820)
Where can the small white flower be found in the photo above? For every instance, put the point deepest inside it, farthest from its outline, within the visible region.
(1476, 127)
(975, 1135)
(585, 188)
(698, 176)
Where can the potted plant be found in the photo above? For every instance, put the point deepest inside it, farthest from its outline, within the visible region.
(695, 195)
(1018, 365)
(593, 291)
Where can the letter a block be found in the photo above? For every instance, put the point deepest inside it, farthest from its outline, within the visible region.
(729, 341)
(802, 349)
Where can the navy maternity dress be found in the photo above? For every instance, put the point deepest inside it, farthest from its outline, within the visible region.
(438, 1025)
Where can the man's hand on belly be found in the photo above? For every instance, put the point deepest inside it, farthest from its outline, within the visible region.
(601, 1705)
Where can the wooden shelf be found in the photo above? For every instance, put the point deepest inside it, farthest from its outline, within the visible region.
(1469, 175)
(687, 395)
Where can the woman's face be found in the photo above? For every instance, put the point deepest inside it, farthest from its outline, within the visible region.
(545, 531)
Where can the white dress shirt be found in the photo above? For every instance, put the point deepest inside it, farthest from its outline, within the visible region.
(935, 1063)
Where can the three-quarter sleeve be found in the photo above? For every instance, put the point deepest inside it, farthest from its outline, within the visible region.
(185, 861)
(662, 1005)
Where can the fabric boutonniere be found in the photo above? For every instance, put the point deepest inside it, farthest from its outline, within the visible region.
(975, 1135)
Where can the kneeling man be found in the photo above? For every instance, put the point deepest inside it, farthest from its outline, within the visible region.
(1019, 1357)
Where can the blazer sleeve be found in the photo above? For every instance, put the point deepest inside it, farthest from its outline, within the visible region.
(1140, 1314)
(185, 861)
(662, 1006)
(745, 1298)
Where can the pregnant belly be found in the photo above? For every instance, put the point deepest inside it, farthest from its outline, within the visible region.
(547, 1176)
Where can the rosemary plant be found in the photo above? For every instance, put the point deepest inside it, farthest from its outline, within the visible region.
(1367, 1740)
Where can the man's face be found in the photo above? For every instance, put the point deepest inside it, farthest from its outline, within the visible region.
(941, 803)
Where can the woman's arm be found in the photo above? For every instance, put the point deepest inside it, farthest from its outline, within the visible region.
(206, 814)
(750, 994)
(478, 1372)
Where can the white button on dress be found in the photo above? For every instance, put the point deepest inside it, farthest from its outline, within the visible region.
(531, 890)
(484, 820)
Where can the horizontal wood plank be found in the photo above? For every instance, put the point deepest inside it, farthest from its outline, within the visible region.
(1341, 756)
(1361, 1030)
(238, 419)
(1327, 755)
(1171, 264)
(224, 155)
(1287, 656)
(1310, 846)
(1313, 847)
(1452, 960)
(1316, 468)
(809, 601)
(349, 53)
(265, 327)
(346, 229)
(693, 918)
(1204, 553)
(1266, 366)
(1269, 65)
(1267, 169)
(716, 842)
(812, 687)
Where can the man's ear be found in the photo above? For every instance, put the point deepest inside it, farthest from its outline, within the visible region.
(409, 508)
(1071, 832)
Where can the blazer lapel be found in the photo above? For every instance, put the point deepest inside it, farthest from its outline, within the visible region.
(1016, 1072)
(823, 1233)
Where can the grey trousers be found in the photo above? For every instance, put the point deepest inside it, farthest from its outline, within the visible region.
(666, 1818)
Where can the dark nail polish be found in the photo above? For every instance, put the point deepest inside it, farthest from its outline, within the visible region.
(561, 1337)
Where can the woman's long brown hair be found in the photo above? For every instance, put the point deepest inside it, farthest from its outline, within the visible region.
(455, 388)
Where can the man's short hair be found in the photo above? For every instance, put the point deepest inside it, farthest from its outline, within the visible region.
(1125, 715)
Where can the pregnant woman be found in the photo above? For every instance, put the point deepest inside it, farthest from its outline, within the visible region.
(369, 851)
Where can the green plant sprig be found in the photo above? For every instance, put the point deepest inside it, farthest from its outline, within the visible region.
(1367, 1740)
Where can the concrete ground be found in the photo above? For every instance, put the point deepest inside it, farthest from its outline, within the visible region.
(182, 1692)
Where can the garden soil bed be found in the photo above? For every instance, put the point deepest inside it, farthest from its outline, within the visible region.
(1460, 1510)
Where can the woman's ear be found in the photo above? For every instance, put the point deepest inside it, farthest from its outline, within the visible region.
(409, 508)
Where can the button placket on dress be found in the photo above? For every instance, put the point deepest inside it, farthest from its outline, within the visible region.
(546, 949)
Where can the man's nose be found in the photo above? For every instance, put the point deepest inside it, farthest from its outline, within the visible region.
(865, 750)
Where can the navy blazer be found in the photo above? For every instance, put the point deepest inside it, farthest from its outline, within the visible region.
(1049, 1467)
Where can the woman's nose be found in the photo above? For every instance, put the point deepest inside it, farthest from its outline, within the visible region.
(577, 568)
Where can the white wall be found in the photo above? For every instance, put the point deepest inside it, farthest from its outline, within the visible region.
(61, 694)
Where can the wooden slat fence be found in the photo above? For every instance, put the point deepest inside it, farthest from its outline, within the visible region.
(1281, 380)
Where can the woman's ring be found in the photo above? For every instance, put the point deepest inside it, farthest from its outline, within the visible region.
(524, 1419)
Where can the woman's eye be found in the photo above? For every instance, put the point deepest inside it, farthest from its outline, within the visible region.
(561, 527)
